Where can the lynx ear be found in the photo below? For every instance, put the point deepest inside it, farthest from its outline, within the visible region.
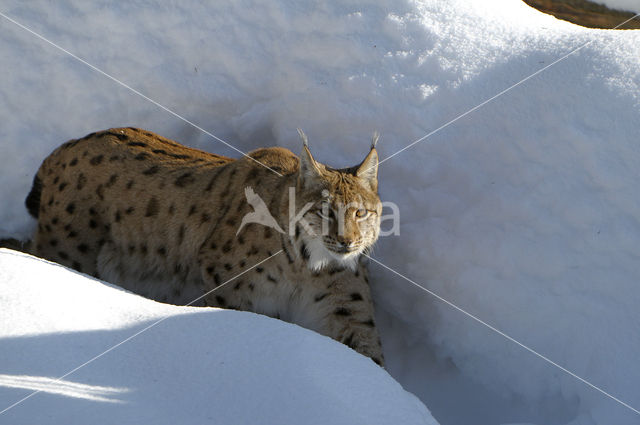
(368, 169)
(309, 168)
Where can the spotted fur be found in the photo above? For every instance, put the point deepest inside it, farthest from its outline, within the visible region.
(160, 219)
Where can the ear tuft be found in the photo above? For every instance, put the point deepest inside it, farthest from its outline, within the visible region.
(303, 136)
(374, 139)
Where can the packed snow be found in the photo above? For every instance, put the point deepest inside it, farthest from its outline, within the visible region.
(183, 365)
(524, 212)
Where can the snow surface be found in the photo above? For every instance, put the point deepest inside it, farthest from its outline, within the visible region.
(524, 212)
(628, 5)
(199, 365)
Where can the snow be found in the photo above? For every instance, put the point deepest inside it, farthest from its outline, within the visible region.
(627, 5)
(194, 366)
(524, 213)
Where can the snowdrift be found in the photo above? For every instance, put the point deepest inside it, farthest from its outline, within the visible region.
(524, 212)
(196, 366)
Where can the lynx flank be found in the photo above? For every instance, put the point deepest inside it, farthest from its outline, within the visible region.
(166, 221)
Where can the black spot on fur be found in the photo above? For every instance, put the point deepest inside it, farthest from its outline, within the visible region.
(204, 218)
(228, 266)
(238, 285)
(231, 222)
(96, 160)
(62, 186)
(141, 156)
(162, 251)
(160, 151)
(100, 192)
(178, 156)
(221, 301)
(216, 279)
(151, 171)
(341, 311)
(82, 180)
(210, 270)
(77, 266)
(114, 158)
(335, 270)
(93, 224)
(72, 234)
(242, 263)
(185, 179)
(54, 220)
(355, 296)
(118, 216)
(192, 210)
(70, 208)
(320, 297)
(271, 279)
(53, 242)
(259, 269)
(83, 248)
(348, 340)
(297, 231)
(130, 184)
(129, 210)
(181, 234)
(213, 246)
(139, 144)
(253, 251)
(152, 207)
(119, 136)
(227, 246)
(63, 255)
(370, 323)
(92, 211)
(112, 180)
(172, 209)
(73, 162)
(252, 287)
(267, 232)
(303, 252)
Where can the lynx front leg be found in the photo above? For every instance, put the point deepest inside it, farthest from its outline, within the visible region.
(344, 312)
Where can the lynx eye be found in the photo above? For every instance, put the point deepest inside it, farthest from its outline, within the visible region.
(362, 213)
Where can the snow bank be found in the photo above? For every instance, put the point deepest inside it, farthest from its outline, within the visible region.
(196, 366)
(524, 213)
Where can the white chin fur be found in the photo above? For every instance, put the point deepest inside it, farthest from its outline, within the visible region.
(320, 257)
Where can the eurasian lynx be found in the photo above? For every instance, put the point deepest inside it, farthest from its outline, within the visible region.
(166, 221)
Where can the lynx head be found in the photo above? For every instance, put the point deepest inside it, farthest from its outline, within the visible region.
(341, 209)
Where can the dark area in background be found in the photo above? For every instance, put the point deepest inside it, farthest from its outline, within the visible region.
(586, 13)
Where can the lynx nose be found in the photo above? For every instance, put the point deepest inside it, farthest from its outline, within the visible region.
(345, 243)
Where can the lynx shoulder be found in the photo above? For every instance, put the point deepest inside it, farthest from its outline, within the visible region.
(175, 224)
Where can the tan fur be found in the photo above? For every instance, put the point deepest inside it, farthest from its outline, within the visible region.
(160, 219)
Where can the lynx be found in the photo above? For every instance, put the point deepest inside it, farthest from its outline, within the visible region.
(166, 221)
